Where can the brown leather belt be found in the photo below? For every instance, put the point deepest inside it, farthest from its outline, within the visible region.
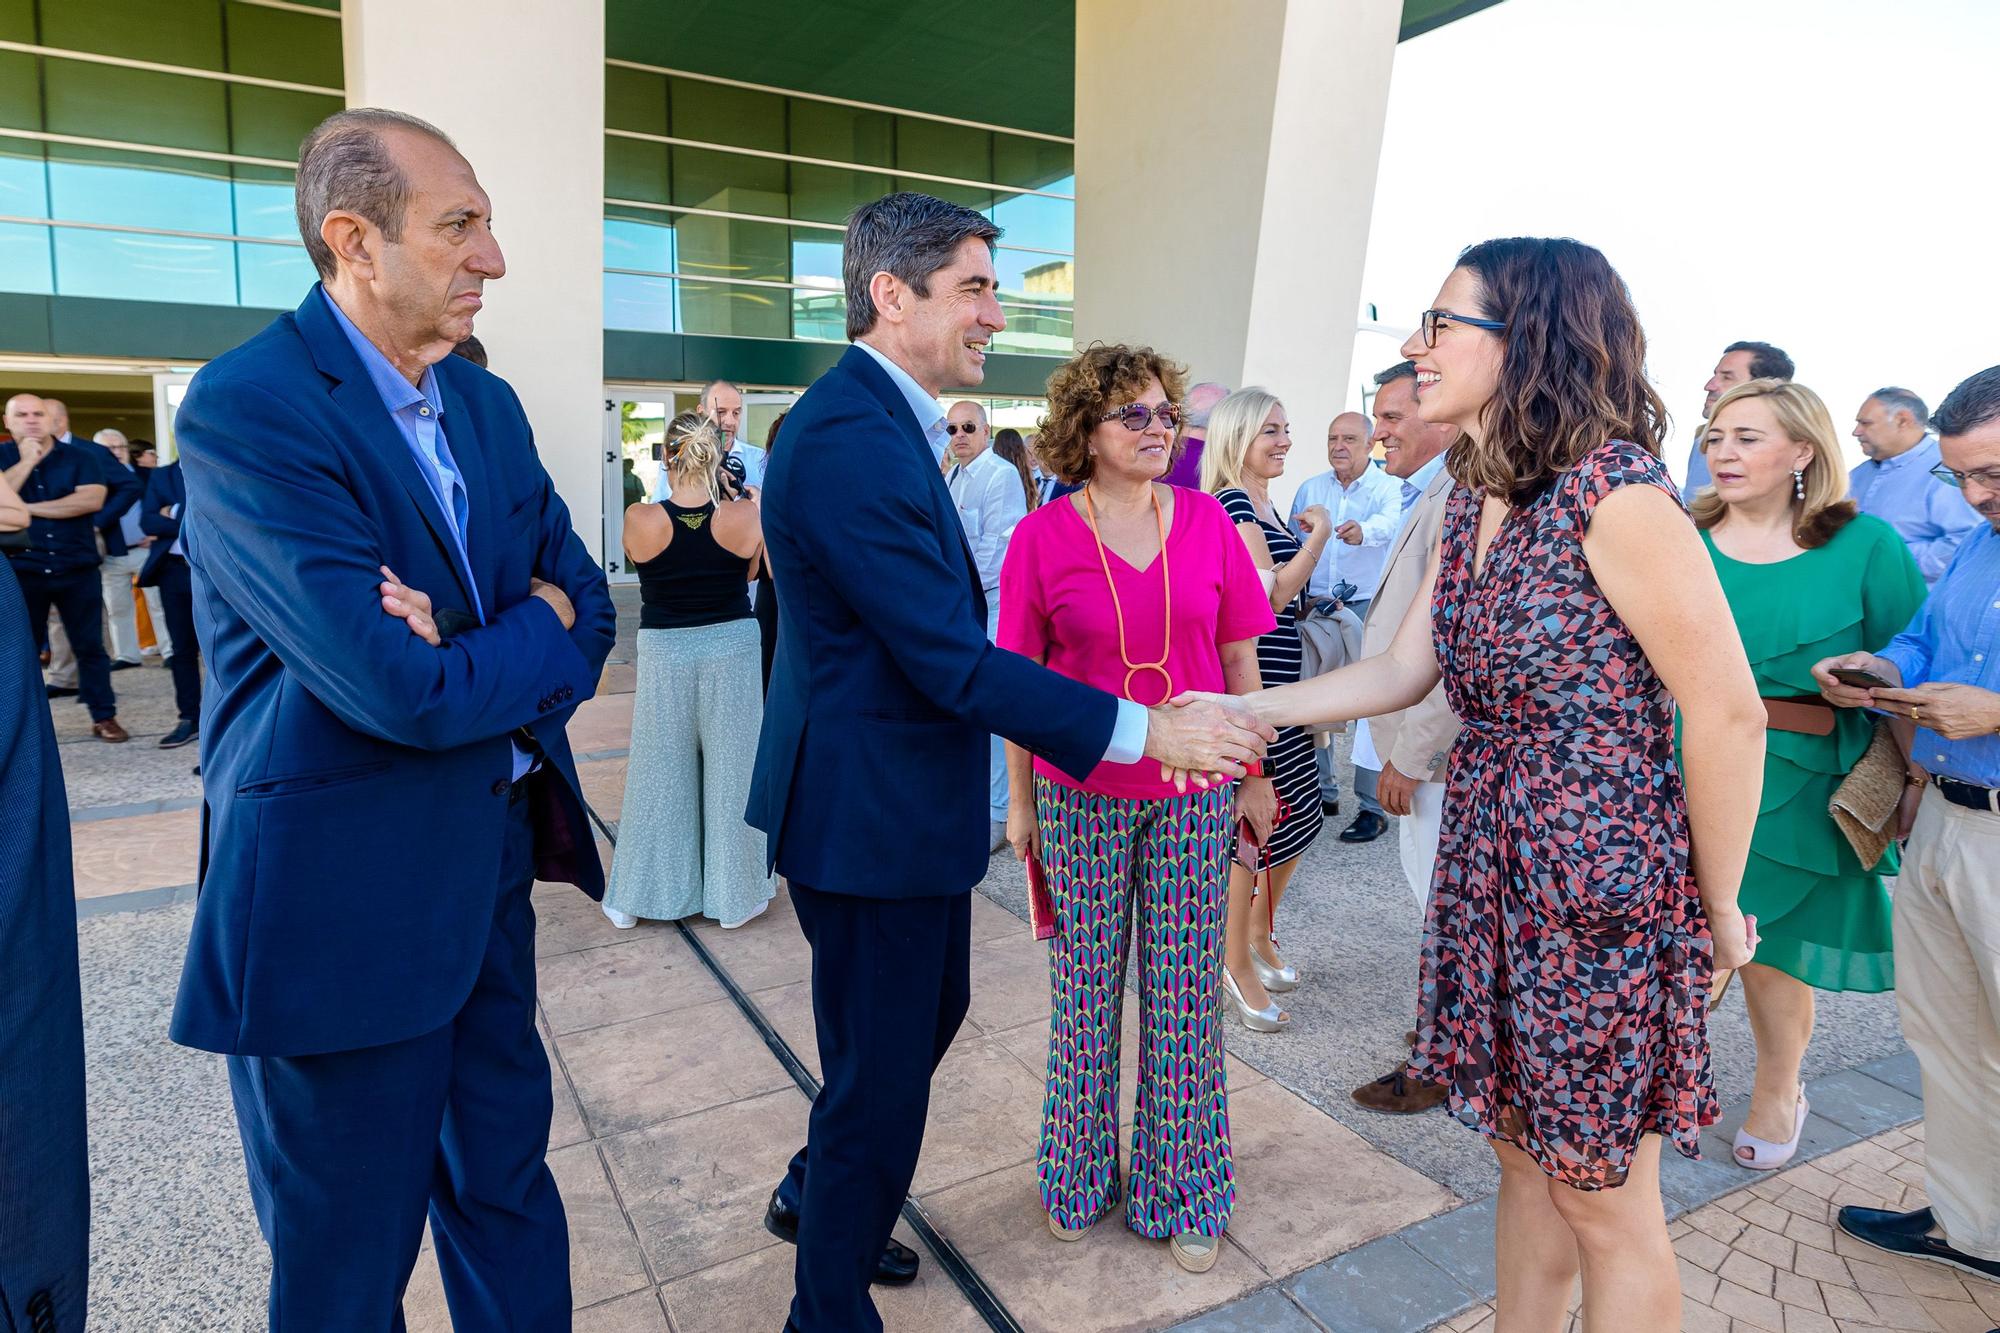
(1808, 716)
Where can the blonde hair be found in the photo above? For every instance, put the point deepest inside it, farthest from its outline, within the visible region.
(1232, 424)
(693, 450)
(1803, 419)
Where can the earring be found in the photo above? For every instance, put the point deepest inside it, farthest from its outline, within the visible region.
(1798, 484)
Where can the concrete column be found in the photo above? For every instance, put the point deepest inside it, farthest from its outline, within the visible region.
(523, 97)
(1225, 163)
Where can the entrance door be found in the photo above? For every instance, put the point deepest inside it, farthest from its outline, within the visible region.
(635, 424)
(760, 410)
(169, 387)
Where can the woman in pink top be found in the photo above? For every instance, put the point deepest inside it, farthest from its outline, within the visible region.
(1144, 590)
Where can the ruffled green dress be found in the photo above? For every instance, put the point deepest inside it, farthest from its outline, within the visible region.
(1823, 916)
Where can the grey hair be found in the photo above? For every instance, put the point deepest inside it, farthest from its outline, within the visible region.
(108, 436)
(1971, 405)
(1896, 400)
(1402, 370)
(708, 391)
(344, 166)
(909, 236)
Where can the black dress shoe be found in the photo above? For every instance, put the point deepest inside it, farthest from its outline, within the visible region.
(1329, 808)
(61, 692)
(1367, 827)
(120, 664)
(1909, 1233)
(182, 733)
(898, 1267)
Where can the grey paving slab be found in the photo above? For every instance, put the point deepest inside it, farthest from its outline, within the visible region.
(1858, 1102)
(1382, 1287)
(1269, 1311)
(1460, 1242)
(1898, 1071)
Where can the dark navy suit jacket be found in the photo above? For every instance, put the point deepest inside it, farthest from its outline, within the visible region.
(164, 489)
(872, 769)
(357, 779)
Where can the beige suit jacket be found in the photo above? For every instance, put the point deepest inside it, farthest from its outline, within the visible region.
(1417, 740)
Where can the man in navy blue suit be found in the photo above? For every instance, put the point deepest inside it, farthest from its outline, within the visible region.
(166, 569)
(386, 768)
(871, 769)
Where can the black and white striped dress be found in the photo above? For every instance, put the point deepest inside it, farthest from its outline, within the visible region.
(1279, 658)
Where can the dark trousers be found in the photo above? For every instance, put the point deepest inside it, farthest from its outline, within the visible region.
(177, 600)
(767, 623)
(347, 1151)
(77, 596)
(891, 982)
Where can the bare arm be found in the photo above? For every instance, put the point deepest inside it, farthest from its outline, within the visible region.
(83, 500)
(1686, 630)
(1289, 578)
(647, 532)
(1386, 683)
(17, 476)
(13, 513)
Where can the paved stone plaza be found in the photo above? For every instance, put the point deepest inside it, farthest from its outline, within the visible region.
(675, 1113)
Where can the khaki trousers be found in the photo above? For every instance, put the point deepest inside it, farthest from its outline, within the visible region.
(1948, 991)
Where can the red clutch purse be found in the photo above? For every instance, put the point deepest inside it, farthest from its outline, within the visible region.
(1041, 908)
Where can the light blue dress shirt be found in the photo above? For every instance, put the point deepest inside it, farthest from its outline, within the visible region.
(1417, 483)
(1932, 518)
(1956, 638)
(418, 412)
(1128, 734)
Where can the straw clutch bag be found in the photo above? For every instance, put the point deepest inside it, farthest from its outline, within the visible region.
(1864, 805)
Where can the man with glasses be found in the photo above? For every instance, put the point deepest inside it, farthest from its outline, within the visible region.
(986, 490)
(1741, 362)
(1942, 679)
(1896, 485)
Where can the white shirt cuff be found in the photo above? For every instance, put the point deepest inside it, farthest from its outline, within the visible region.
(1128, 735)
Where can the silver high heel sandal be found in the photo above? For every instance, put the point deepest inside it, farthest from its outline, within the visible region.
(1268, 1019)
(1276, 979)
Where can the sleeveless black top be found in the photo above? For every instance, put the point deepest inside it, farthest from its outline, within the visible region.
(694, 581)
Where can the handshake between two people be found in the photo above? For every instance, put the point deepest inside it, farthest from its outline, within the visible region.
(1205, 739)
(413, 607)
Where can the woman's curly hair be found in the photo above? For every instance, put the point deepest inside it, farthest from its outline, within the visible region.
(1100, 377)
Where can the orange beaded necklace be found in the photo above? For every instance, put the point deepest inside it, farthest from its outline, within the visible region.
(1118, 607)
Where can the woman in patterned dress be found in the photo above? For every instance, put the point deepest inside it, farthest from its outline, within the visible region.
(1568, 948)
(1248, 438)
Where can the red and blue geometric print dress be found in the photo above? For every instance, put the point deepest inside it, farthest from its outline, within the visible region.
(1566, 956)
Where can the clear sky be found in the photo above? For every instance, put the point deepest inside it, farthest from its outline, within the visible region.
(1820, 174)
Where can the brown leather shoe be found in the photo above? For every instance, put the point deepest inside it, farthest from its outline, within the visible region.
(109, 730)
(1398, 1094)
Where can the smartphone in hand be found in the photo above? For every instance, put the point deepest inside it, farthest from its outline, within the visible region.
(1860, 679)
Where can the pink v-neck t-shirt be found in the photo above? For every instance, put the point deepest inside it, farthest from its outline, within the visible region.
(1054, 605)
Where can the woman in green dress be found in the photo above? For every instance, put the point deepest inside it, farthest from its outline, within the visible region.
(1807, 577)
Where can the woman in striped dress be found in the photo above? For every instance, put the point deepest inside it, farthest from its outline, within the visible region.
(1248, 437)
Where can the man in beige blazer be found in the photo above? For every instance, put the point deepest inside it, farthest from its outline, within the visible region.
(1410, 747)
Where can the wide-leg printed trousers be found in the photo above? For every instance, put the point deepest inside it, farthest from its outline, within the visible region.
(1157, 869)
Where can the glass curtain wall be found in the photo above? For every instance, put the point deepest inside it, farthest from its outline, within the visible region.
(128, 170)
(725, 207)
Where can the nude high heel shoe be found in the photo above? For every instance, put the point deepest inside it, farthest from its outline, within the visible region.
(1268, 1019)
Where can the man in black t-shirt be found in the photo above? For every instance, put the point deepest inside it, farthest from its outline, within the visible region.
(63, 486)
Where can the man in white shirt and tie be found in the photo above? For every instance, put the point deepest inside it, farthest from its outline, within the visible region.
(1366, 506)
(987, 491)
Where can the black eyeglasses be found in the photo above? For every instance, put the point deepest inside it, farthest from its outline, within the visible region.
(1433, 318)
(962, 428)
(1986, 478)
(1135, 417)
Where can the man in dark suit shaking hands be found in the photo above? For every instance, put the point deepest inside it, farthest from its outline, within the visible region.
(871, 770)
(384, 754)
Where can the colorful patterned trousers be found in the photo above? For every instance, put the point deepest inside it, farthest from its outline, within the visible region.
(1167, 863)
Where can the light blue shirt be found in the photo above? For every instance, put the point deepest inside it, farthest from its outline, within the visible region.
(1698, 475)
(1416, 484)
(1931, 517)
(418, 412)
(1956, 638)
(1372, 500)
(1128, 734)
